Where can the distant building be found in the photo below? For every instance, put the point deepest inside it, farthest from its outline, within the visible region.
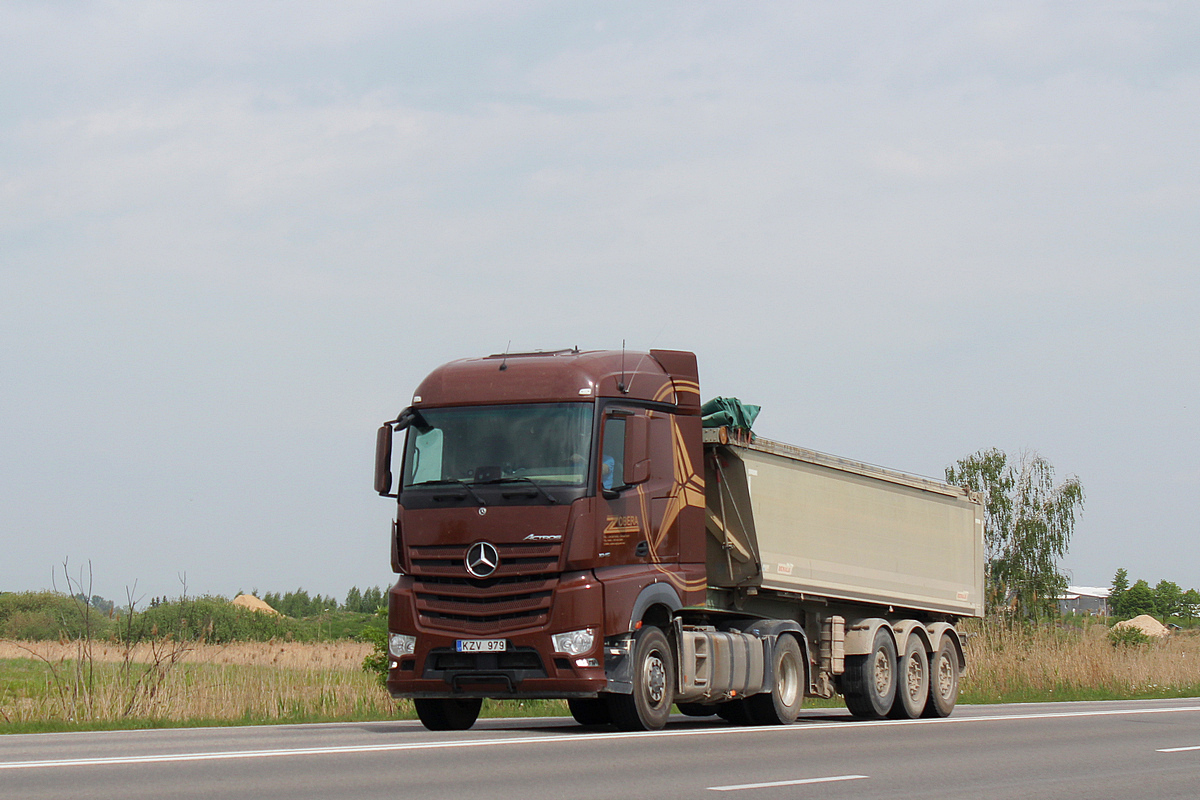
(1084, 600)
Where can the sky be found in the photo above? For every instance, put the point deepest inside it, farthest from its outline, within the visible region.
(235, 236)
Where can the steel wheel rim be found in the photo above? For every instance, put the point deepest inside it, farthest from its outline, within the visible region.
(789, 682)
(883, 673)
(945, 676)
(655, 673)
(914, 677)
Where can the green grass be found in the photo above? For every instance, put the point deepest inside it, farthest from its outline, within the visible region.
(1070, 694)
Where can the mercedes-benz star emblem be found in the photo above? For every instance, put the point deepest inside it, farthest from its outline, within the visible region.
(482, 559)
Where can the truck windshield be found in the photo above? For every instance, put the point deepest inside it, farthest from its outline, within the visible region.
(546, 443)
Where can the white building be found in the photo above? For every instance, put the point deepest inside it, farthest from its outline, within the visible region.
(1085, 599)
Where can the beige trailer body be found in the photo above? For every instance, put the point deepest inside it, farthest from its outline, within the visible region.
(804, 523)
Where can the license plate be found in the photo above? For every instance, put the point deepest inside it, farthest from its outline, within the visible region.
(481, 645)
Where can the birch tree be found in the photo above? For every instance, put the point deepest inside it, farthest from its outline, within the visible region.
(1027, 528)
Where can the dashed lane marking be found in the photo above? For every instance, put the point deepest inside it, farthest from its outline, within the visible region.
(774, 784)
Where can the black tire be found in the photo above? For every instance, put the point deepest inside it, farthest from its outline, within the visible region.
(870, 680)
(735, 712)
(590, 710)
(696, 709)
(782, 704)
(447, 714)
(912, 681)
(649, 705)
(943, 680)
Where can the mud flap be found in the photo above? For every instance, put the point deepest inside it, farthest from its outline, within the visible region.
(618, 665)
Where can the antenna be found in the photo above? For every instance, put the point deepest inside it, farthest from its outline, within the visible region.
(621, 384)
(504, 361)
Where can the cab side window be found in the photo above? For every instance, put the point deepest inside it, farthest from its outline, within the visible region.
(612, 459)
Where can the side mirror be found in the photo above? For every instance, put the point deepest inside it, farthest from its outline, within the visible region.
(383, 460)
(637, 449)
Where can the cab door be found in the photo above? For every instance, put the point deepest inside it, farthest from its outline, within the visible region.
(628, 490)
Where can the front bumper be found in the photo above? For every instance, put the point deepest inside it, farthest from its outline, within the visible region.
(527, 668)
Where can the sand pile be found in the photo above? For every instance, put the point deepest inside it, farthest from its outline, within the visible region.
(254, 604)
(1146, 624)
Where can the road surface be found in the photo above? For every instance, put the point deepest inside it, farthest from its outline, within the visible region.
(1098, 751)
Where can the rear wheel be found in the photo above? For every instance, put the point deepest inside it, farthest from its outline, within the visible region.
(447, 714)
(943, 680)
(590, 710)
(649, 705)
(782, 705)
(734, 711)
(912, 687)
(870, 680)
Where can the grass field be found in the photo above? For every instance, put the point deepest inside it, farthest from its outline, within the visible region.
(49, 686)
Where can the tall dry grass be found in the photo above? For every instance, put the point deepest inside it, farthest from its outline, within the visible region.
(288, 681)
(252, 682)
(1028, 665)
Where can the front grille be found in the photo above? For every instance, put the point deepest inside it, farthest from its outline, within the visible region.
(515, 559)
(518, 595)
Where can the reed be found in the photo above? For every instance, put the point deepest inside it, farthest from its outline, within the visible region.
(1015, 664)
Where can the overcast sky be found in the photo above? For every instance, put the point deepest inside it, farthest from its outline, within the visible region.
(235, 236)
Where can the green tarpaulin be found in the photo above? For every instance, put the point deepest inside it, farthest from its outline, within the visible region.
(729, 412)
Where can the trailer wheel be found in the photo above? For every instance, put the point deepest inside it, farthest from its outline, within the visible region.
(649, 705)
(912, 685)
(870, 680)
(590, 710)
(943, 680)
(447, 714)
(782, 704)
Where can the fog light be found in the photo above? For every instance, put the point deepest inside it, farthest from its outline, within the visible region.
(575, 643)
(401, 644)
(586, 662)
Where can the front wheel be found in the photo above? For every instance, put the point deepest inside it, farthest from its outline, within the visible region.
(782, 705)
(447, 714)
(590, 711)
(649, 705)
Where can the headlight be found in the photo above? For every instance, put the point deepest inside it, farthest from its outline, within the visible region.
(401, 644)
(575, 643)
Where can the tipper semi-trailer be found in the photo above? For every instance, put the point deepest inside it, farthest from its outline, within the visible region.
(567, 527)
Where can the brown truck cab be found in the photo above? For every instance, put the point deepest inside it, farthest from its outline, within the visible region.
(550, 522)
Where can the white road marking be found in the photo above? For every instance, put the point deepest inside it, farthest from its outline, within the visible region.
(1179, 749)
(773, 784)
(568, 739)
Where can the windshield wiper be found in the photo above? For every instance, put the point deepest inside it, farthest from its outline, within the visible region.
(455, 482)
(521, 479)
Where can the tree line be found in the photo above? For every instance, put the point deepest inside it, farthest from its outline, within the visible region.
(300, 604)
(1164, 601)
(46, 614)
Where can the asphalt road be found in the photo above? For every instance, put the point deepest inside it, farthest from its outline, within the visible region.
(1140, 749)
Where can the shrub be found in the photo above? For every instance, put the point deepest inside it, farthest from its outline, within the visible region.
(1127, 636)
(209, 619)
(377, 662)
(49, 615)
